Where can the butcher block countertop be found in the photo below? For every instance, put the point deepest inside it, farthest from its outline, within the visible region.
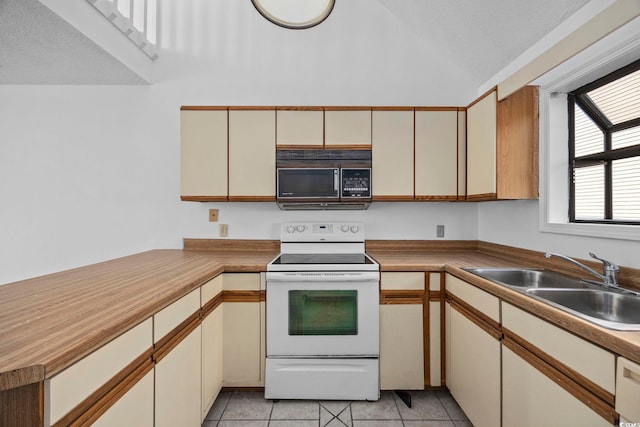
(50, 322)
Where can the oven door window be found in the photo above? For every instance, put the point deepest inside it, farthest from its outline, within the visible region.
(333, 312)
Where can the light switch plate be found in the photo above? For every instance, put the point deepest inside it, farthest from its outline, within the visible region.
(213, 215)
(223, 230)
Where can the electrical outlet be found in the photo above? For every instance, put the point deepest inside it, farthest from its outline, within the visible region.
(213, 215)
(439, 230)
(223, 230)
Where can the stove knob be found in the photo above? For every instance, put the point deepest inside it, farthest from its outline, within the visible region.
(354, 228)
(344, 228)
(290, 229)
(301, 228)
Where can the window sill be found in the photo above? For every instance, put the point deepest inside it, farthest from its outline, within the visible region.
(608, 231)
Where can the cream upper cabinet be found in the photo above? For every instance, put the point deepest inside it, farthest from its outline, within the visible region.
(252, 154)
(481, 147)
(502, 146)
(392, 154)
(347, 128)
(436, 154)
(473, 354)
(401, 335)
(300, 128)
(203, 154)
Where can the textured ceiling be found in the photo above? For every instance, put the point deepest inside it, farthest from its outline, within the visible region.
(483, 36)
(39, 47)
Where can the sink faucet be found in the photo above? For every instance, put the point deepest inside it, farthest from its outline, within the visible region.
(609, 269)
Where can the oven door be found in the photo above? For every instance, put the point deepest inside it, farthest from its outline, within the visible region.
(325, 314)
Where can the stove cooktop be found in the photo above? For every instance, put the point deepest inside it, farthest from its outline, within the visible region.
(322, 259)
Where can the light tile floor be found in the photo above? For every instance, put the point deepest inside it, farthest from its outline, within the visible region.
(250, 409)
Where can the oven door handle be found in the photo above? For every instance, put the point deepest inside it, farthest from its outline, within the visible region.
(323, 276)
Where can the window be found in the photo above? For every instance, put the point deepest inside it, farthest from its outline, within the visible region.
(604, 149)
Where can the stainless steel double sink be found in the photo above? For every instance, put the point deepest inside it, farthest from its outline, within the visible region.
(609, 307)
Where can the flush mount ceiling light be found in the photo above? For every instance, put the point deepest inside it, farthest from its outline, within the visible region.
(295, 14)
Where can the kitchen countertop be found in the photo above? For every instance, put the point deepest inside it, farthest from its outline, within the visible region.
(48, 323)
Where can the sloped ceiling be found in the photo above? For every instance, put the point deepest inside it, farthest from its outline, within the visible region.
(38, 47)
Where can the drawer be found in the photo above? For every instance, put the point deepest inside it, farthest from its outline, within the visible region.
(210, 290)
(171, 316)
(71, 386)
(404, 281)
(587, 359)
(475, 297)
(241, 281)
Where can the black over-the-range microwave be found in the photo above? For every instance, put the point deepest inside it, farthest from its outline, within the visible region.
(324, 184)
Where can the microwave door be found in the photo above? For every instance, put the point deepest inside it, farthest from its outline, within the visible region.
(308, 183)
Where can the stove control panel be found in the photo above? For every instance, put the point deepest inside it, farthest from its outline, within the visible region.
(322, 232)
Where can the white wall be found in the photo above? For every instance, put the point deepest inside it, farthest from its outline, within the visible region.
(89, 173)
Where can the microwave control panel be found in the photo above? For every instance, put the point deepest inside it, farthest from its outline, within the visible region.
(356, 183)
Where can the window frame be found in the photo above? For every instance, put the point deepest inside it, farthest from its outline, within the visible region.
(606, 157)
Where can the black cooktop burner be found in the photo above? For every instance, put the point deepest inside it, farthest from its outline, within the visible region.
(322, 259)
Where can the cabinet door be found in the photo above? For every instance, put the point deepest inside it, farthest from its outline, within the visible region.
(481, 148)
(435, 331)
(530, 398)
(252, 154)
(347, 128)
(436, 154)
(392, 154)
(211, 344)
(203, 155)
(177, 384)
(242, 326)
(473, 374)
(401, 331)
(134, 409)
(401, 347)
(300, 128)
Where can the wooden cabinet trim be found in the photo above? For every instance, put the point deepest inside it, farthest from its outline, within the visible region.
(436, 198)
(482, 197)
(252, 198)
(203, 108)
(483, 96)
(575, 384)
(299, 147)
(204, 198)
(175, 337)
(489, 325)
(23, 405)
(401, 297)
(96, 404)
(243, 296)
(210, 306)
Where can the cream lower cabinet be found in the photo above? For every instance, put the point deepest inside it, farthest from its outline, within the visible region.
(531, 397)
(177, 384)
(71, 387)
(435, 331)
(134, 409)
(178, 368)
(212, 331)
(243, 330)
(472, 353)
(401, 331)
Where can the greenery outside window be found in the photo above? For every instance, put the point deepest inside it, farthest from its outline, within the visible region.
(604, 149)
